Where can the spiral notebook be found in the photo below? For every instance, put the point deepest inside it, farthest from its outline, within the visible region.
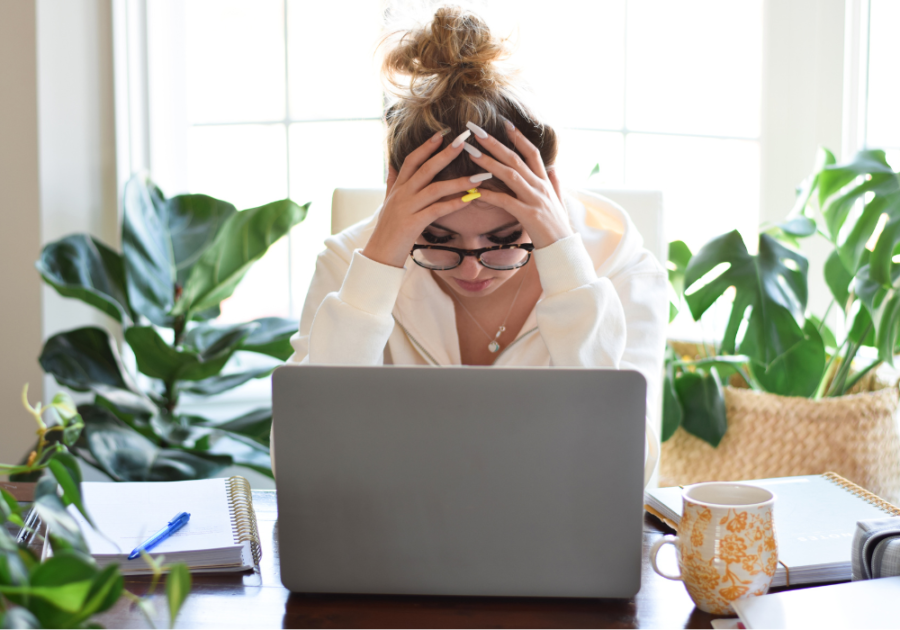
(220, 536)
(815, 519)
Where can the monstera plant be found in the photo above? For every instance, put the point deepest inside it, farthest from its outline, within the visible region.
(181, 257)
(771, 342)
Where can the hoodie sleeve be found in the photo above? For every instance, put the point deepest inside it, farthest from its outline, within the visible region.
(346, 317)
(615, 322)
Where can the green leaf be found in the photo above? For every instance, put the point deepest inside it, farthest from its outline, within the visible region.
(175, 465)
(272, 337)
(862, 325)
(244, 451)
(242, 240)
(211, 340)
(883, 303)
(679, 258)
(595, 170)
(224, 382)
(147, 249)
(880, 262)
(796, 372)
(826, 333)
(65, 468)
(119, 451)
(853, 250)
(86, 359)
(106, 588)
(62, 529)
(775, 277)
(79, 266)
(703, 404)
(824, 158)
(673, 414)
(193, 221)
(9, 509)
(158, 359)
(256, 425)
(799, 226)
(877, 177)
(178, 587)
(838, 279)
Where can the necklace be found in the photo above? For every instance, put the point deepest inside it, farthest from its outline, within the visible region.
(494, 345)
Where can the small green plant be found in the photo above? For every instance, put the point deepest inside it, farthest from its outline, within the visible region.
(181, 257)
(68, 589)
(771, 340)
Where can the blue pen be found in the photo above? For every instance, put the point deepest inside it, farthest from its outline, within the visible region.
(174, 525)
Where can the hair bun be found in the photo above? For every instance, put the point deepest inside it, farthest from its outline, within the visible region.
(454, 53)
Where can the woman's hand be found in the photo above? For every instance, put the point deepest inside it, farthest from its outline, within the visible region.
(538, 202)
(413, 201)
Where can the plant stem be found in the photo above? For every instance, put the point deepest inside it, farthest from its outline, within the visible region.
(838, 384)
(859, 375)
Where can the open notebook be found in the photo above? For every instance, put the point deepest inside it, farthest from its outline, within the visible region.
(815, 519)
(220, 536)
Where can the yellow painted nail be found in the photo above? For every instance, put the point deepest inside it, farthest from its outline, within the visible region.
(471, 197)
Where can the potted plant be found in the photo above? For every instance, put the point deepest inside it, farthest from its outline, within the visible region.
(804, 401)
(180, 258)
(67, 589)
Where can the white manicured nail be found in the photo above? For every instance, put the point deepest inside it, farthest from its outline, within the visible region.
(471, 150)
(461, 138)
(478, 131)
(480, 177)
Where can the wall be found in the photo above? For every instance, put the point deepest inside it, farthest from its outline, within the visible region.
(20, 315)
(57, 170)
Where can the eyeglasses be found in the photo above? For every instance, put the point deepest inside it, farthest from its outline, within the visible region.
(499, 258)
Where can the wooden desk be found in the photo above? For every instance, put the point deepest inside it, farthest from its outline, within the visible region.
(258, 600)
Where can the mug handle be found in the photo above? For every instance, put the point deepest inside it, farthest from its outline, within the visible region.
(665, 540)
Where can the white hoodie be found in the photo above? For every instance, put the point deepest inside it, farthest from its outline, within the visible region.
(604, 304)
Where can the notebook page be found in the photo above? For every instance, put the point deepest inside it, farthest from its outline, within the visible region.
(129, 513)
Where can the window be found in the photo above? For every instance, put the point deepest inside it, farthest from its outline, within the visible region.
(881, 93)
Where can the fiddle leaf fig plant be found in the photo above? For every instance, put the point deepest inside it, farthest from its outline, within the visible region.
(181, 257)
(771, 340)
(67, 589)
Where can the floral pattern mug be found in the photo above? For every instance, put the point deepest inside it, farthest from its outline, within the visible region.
(726, 546)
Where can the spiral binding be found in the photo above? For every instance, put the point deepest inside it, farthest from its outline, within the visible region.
(862, 493)
(243, 518)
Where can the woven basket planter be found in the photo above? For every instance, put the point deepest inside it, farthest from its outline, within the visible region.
(855, 436)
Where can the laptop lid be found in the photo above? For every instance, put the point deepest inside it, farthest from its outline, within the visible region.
(459, 481)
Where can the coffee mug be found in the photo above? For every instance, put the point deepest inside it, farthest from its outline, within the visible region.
(725, 545)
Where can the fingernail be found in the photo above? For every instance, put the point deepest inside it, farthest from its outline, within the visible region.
(472, 191)
(471, 196)
(437, 137)
(461, 138)
(471, 150)
(509, 126)
(480, 177)
(478, 131)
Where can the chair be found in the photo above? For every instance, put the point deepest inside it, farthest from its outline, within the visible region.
(351, 205)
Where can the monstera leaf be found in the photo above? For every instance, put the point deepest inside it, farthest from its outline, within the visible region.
(242, 240)
(79, 266)
(883, 303)
(775, 277)
(868, 172)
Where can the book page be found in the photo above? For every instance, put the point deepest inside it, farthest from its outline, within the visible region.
(128, 514)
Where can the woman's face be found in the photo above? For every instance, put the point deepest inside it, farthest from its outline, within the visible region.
(477, 225)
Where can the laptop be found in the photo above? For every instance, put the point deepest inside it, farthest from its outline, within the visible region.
(459, 481)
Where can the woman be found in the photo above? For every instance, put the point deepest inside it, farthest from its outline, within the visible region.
(471, 293)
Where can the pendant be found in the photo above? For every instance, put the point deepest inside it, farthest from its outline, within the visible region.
(493, 346)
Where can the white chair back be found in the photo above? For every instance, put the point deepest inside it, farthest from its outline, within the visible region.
(351, 205)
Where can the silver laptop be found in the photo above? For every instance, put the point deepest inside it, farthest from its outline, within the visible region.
(459, 481)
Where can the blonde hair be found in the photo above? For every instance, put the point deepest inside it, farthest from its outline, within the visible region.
(446, 73)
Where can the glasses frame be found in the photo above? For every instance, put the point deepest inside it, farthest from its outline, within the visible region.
(477, 253)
